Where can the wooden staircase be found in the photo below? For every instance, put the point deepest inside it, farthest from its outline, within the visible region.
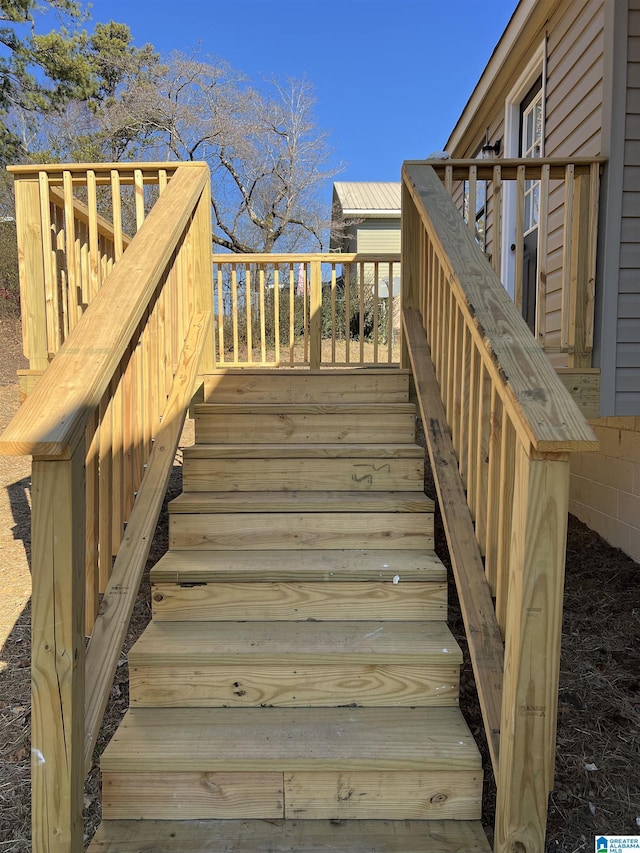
(297, 689)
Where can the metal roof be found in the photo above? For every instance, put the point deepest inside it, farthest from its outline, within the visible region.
(368, 197)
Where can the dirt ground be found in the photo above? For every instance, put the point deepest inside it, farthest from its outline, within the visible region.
(597, 787)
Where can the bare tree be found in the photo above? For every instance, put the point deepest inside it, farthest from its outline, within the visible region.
(269, 162)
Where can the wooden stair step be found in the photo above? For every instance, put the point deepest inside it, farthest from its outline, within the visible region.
(361, 565)
(317, 763)
(343, 450)
(237, 467)
(185, 643)
(367, 423)
(257, 531)
(171, 740)
(295, 386)
(294, 664)
(290, 836)
(298, 502)
(298, 601)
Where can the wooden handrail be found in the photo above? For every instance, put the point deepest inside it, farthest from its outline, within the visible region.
(50, 423)
(459, 168)
(543, 410)
(501, 432)
(106, 408)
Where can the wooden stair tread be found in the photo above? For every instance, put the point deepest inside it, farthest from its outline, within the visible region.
(297, 502)
(312, 739)
(303, 451)
(283, 566)
(289, 836)
(338, 409)
(263, 643)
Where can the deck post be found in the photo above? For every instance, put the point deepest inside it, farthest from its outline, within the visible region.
(532, 652)
(31, 267)
(57, 669)
(315, 324)
(411, 264)
(581, 299)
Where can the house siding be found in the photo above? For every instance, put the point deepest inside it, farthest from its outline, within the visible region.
(627, 371)
(574, 34)
(378, 236)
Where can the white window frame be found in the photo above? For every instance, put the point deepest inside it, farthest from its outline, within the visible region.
(536, 67)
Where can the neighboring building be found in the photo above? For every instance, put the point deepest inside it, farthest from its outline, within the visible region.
(564, 81)
(366, 217)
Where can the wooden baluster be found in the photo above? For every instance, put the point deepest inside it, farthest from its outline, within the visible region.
(315, 324)
(505, 517)
(75, 311)
(276, 311)
(292, 306)
(473, 200)
(543, 241)
(263, 318)
(569, 190)
(594, 198)
(472, 429)
(532, 650)
(234, 312)
(482, 456)
(116, 206)
(219, 288)
(361, 281)
(94, 255)
(496, 252)
(448, 179)
(247, 272)
(465, 369)
(493, 490)
(138, 182)
(333, 313)
(92, 515)
(347, 310)
(57, 656)
(105, 487)
(375, 311)
(581, 296)
(456, 381)
(200, 294)
(50, 284)
(390, 307)
(518, 288)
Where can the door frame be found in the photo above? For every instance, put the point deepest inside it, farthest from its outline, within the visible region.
(536, 67)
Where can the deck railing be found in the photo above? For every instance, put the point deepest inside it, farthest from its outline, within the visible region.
(546, 254)
(307, 309)
(102, 425)
(511, 425)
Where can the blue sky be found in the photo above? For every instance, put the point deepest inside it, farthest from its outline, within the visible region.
(390, 76)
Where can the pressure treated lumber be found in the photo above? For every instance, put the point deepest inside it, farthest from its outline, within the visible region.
(330, 600)
(49, 422)
(294, 530)
(166, 740)
(291, 836)
(293, 685)
(541, 408)
(453, 795)
(119, 598)
(279, 502)
(294, 386)
(372, 471)
(364, 423)
(185, 643)
(359, 565)
(485, 643)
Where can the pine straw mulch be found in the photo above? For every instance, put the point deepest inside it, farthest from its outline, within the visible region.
(597, 788)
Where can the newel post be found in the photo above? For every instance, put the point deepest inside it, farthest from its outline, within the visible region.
(532, 650)
(31, 268)
(411, 266)
(57, 664)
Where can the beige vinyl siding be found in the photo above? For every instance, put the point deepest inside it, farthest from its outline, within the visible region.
(378, 236)
(628, 325)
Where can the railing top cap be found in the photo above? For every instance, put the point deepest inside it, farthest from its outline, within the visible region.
(31, 168)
